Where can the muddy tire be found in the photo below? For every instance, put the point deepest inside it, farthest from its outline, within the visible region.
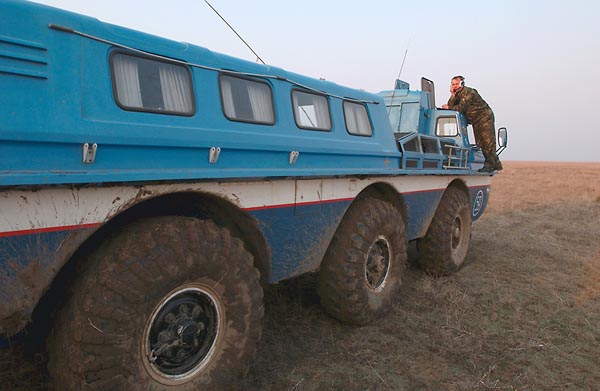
(444, 248)
(362, 271)
(167, 303)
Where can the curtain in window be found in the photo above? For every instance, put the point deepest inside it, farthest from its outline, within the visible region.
(127, 82)
(357, 120)
(297, 109)
(322, 112)
(364, 126)
(350, 117)
(175, 88)
(260, 100)
(227, 93)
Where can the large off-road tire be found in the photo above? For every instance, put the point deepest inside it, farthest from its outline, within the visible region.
(444, 248)
(167, 303)
(362, 271)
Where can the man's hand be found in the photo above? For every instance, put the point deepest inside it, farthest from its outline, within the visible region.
(445, 106)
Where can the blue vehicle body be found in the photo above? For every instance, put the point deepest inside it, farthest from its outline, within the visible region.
(75, 162)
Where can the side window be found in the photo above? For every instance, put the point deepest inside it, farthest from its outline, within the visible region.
(142, 84)
(357, 119)
(446, 127)
(311, 111)
(246, 100)
(409, 117)
(404, 117)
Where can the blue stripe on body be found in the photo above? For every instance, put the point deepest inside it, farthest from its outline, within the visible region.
(298, 236)
(28, 263)
(18, 252)
(311, 228)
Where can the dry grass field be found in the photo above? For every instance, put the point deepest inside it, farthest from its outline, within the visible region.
(523, 314)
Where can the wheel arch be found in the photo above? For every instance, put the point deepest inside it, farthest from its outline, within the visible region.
(191, 204)
(385, 192)
(459, 184)
(443, 249)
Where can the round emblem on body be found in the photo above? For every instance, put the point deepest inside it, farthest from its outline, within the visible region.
(478, 204)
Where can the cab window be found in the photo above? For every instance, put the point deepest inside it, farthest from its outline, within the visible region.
(446, 127)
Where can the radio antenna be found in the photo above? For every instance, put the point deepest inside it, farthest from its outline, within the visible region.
(236, 33)
(397, 78)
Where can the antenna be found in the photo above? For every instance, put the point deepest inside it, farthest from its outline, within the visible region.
(399, 73)
(403, 59)
(236, 33)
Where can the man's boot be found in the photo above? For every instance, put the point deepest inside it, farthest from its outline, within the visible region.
(488, 166)
(497, 164)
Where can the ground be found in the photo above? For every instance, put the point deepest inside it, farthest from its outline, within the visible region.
(523, 313)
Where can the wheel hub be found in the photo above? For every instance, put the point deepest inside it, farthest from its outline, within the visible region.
(456, 233)
(378, 264)
(181, 334)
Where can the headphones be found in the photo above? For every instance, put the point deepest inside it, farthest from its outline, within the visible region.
(462, 80)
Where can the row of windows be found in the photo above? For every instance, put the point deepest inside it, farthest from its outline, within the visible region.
(141, 84)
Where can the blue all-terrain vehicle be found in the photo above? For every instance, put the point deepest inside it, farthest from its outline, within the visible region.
(150, 188)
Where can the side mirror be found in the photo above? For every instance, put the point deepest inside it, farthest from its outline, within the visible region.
(502, 140)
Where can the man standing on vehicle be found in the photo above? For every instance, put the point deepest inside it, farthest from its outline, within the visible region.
(477, 112)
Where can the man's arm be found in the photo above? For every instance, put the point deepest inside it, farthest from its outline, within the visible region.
(459, 102)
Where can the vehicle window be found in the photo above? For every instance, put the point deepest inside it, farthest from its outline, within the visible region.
(247, 100)
(404, 117)
(311, 111)
(447, 127)
(142, 84)
(357, 119)
(409, 117)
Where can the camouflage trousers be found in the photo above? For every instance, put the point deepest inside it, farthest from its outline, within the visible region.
(485, 135)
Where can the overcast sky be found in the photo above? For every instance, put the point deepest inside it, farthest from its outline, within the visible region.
(536, 63)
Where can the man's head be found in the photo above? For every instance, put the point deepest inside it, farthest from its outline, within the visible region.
(457, 83)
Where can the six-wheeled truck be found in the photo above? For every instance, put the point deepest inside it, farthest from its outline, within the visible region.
(150, 188)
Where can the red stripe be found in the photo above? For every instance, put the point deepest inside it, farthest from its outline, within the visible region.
(50, 229)
(269, 207)
(424, 191)
(264, 207)
(480, 186)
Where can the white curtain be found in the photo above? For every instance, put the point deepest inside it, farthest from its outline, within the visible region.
(260, 100)
(322, 112)
(175, 88)
(127, 82)
(228, 105)
(357, 120)
(364, 126)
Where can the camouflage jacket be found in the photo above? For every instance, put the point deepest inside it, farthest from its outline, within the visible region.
(470, 103)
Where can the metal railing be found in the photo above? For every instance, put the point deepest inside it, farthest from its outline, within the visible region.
(458, 157)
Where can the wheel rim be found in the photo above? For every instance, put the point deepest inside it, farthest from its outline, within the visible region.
(457, 233)
(378, 264)
(182, 334)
